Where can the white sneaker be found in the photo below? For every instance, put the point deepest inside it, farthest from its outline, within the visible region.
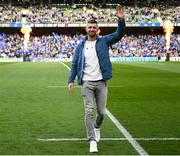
(97, 134)
(93, 147)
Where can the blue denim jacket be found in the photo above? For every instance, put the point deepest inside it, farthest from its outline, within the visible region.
(102, 49)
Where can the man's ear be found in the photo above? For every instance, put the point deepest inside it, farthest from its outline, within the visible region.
(86, 29)
(98, 31)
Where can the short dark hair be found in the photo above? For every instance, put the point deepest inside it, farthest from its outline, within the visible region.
(92, 21)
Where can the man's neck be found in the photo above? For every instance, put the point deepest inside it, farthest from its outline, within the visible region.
(91, 38)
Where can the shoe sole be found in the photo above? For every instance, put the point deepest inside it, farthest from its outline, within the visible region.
(93, 151)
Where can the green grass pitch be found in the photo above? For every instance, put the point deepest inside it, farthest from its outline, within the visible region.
(144, 97)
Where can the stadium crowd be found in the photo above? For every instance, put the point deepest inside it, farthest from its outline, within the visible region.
(56, 14)
(62, 46)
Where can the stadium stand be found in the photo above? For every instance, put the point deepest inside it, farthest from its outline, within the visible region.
(47, 43)
(57, 14)
(55, 45)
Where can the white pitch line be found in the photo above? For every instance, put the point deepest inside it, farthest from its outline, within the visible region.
(110, 139)
(115, 86)
(65, 66)
(129, 137)
(61, 86)
(79, 86)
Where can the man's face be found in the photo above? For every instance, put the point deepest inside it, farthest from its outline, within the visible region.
(92, 29)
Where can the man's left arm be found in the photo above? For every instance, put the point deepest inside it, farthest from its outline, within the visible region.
(116, 36)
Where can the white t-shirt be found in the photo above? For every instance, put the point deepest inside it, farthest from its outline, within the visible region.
(92, 71)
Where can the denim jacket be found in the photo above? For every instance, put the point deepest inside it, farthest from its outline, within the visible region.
(102, 49)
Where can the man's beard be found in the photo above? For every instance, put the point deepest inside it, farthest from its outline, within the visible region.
(92, 34)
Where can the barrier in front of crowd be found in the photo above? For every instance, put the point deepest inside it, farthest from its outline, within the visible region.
(133, 59)
(144, 59)
(175, 59)
(113, 59)
(9, 59)
(19, 25)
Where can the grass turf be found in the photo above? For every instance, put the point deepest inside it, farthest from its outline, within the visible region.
(146, 103)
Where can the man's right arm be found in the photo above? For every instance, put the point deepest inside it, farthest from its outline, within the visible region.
(74, 63)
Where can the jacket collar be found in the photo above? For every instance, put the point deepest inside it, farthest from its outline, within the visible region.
(85, 38)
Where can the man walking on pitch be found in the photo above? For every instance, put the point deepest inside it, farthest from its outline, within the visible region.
(91, 64)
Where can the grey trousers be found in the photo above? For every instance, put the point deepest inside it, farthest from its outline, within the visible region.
(94, 93)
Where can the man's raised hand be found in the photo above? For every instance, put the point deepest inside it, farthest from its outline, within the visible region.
(120, 12)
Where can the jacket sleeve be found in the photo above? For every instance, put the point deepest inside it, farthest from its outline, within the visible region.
(116, 36)
(73, 71)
